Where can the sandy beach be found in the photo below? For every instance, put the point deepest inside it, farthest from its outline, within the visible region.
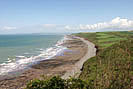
(68, 63)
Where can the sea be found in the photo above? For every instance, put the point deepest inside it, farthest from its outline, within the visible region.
(18, 52)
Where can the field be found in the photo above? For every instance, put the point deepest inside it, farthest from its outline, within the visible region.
(106, 39)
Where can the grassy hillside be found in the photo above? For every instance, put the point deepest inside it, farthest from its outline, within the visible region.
(111, 68)
(106, 39)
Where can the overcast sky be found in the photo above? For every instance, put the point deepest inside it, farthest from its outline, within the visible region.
(58, 16)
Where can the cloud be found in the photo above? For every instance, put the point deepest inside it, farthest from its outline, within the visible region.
(9, 28)
(53, 27)
(68, 27)
(116, 23)
(49, 25)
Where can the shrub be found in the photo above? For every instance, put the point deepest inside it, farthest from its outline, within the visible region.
(76, 83)
(57, 83)
(51, 83)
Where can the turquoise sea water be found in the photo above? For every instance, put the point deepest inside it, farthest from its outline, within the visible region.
(17, 51)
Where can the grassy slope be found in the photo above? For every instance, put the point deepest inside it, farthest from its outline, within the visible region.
(106, 39)
(113, 65)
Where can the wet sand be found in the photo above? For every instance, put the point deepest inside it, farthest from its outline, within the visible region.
(67, 64)
(77, 67)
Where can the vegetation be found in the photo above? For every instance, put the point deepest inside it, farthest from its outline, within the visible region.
(106, 39)
(111, 68)
(58, 83)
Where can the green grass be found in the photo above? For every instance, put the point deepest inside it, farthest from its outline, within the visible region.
(106, 39)
(112, 67)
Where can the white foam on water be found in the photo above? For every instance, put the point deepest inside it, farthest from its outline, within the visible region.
(23, 62)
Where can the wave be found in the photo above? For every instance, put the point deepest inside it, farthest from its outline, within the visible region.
(22, 62)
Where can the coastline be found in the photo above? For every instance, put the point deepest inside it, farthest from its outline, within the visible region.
(76, 70)
(64, 65)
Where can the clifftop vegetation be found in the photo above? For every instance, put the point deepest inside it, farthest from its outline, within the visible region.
(112, 67)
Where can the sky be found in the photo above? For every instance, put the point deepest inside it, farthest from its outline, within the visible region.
(59, 16)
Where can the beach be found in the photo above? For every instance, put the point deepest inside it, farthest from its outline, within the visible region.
(68, 63)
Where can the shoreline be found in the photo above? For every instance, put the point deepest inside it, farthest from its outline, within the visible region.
(25, 61)
(64, 65)
(76, 70)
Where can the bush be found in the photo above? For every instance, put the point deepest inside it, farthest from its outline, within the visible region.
(57, 83)
(76, 83)
(51, 83)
